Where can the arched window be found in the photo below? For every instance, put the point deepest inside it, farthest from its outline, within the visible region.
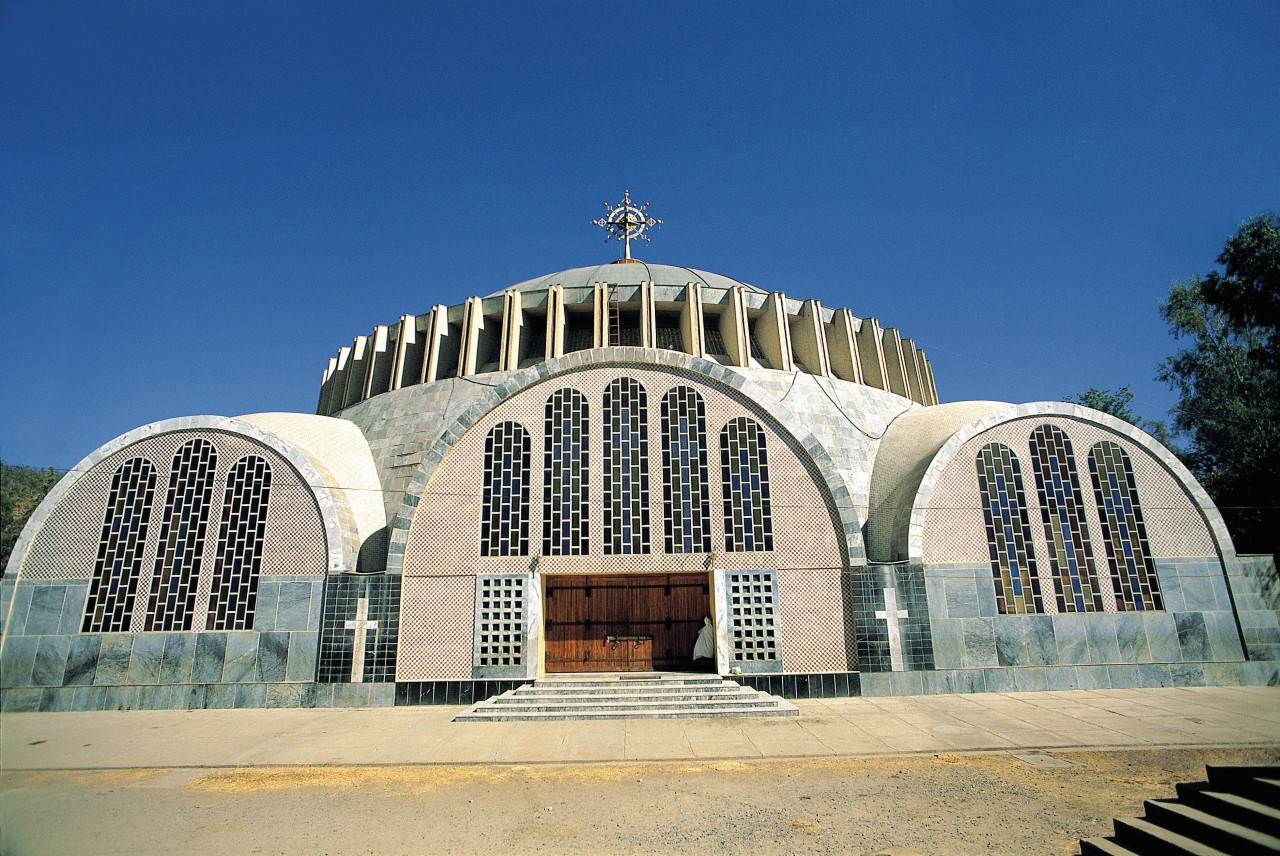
(234, 593)
(124, 537)
(1133, 574)
(1013, 555)
(685, 496)
(744, 467)
(504, 524)
(626, 468)
(565, 529)
(1065, 530)
(177, 568)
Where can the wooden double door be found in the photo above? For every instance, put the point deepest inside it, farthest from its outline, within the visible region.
(623, 622)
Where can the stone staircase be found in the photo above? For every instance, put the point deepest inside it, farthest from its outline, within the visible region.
(635, 695)
(1236, 811)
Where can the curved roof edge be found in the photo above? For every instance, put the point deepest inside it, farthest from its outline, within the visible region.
(629, 274)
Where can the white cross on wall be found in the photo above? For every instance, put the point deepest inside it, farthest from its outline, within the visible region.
(891, 614)
(361, 625)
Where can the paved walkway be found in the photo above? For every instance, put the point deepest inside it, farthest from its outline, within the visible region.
(1078, 719)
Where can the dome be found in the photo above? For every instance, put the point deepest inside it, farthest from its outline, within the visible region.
(632, 273)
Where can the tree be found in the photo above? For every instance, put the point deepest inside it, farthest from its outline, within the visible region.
(21, 489)
(1226, 379)
(1119, 403)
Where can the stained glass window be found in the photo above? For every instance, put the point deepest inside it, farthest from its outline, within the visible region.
(686, 497)
(124, 536)
(1009, 538)
(626, 468)
(1065, 529)
(177, 568)
(565, 528)
(504, 521)
(744, 466)
(1133, 574)
(233, 596)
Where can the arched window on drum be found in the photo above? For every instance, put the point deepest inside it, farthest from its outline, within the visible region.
(626, 468)
(565, 494)
(109, 607)
(744, 469)
(686, 499)
(233, 596)
(1065, 529)
(504, 521)
(1009, 538)
(1133, 573)
(182, 533)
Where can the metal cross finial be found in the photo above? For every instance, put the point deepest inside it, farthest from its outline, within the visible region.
(626, 222)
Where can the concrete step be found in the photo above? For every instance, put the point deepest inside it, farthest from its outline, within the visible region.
(1143, 836)
(1242, 810)
(1209, 829)
(605, 683)
(1104, 847)
(502, 715)
(613, 698)
(742, 703)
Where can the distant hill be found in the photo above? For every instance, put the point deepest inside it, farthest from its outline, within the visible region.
(21, 489)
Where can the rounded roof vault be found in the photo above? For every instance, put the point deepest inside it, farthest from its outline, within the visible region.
(633, 273)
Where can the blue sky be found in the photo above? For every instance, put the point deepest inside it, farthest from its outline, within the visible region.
(203, 201)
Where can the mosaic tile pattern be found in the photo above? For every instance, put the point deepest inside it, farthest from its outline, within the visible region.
(504, 524)
(233, 592)
(182, 536)
(367, 606)
(437, 635)
(626, 468)
(686, 501)
(744, 466)
(1133, 574)
(1013, 558)
(566, 527)
(1065, 527)
(500, 623)
(121, 547)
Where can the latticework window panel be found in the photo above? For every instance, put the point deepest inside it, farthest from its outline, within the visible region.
(686, 496)
(1133, 573)
(753, 616)
(744, 464)
(500, 621)
(1066, 530)
(565, 524)
(1009, 535)
(626, 468)
(177, 569)
(233, 595)
(504, 521)
(120, 549)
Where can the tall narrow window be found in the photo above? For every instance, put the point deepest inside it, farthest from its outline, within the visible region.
(1133, 574)
(1062, 509)
(565, 528)
(504, 524)
(1013, 557)
(177, 569)
(744, 466)
(234, 594)
(686, 498)
(124, 537)
(626, 468)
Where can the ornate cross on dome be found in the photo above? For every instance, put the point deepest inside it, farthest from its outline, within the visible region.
(626, 222)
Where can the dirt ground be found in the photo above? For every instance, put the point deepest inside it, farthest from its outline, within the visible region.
(935, 804)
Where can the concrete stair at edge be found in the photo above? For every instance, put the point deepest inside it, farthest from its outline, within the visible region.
(1236, 811)
(627, 696)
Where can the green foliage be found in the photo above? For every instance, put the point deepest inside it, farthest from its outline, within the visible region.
(1119, 403)
(1226, 379)
(21, 489)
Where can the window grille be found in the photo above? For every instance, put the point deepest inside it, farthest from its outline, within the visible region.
(753, 615)
(124, 537)
(626, 468)
(1062, 509)
(504, 524)
(233, 596)
(177, 568)
(1133, 573)
(565, 527)
(1013, 556)
(500, 613)
(744, 465)
(685, 495)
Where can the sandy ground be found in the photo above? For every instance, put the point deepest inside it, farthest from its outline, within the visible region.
(933, 804)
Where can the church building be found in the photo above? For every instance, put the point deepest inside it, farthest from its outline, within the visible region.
(573, 473)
